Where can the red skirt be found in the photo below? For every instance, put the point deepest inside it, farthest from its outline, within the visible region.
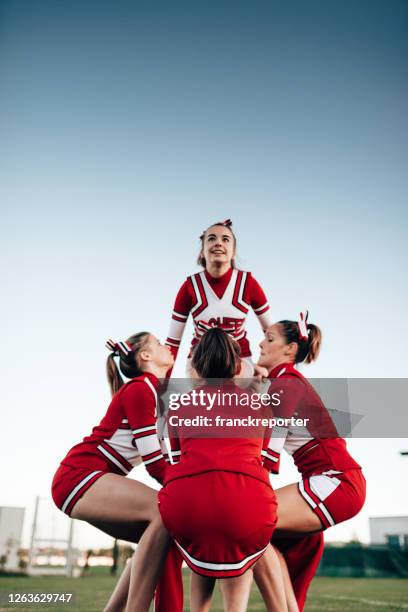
(222, 522)
(69, 484)
(334, 496)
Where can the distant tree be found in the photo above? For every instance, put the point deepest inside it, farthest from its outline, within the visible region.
(126, 552)
(115, 557)
(88, 555)
(353, 544)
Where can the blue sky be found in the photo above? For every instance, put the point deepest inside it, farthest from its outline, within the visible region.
(128, 128)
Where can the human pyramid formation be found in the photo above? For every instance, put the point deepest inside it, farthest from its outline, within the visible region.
(217, 510)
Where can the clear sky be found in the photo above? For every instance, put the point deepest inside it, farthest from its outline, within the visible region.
(127, 128)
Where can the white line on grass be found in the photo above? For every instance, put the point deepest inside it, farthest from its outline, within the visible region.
(371, 602)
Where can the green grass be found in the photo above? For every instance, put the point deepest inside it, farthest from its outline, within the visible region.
(326, 594)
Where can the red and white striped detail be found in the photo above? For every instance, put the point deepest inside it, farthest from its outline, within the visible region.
(239, 334)
(122, 345)
(144, 431)
(177, 316)
(124, 424)
(302, 324)
(117, 461)
(200, 296)
(153, 390)
(305, 448)
(176, 455)
(271, 455)
(313, 496)
(222, 569)
(238, 296)
(148, 443)
(261, 309)
(152, 457)
(78, 491)
(145, 438)
(175, 342)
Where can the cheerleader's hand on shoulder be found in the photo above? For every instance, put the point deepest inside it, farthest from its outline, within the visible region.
(260, 372)
(260, 382)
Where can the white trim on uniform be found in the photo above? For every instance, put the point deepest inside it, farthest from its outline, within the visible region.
(112, 459)
(261, 307)
(197, 294)
(240, 335)
(240, 298)
(313, 504)
(142, 429)
(167, 448)
(323, 485)
(149, 384)
(221, 566)
(307, 497)
(265, 453)
(148, 461)
(78, 488)
(148, 444)
(327, 514)
(181, 316)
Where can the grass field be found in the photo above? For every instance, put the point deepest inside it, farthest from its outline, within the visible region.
(326, 594)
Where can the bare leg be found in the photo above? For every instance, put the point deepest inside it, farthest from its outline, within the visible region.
(294, 516)
(289, 593)
(294, 513)
(134, 502)
(201, 591)
(270, 582)
(235, 592)
(117, 601)
(135, 506)
(147, 563)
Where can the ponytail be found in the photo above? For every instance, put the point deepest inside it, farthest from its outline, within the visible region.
(314, 342)
(129, 363)
(115, 380)
(308, 348)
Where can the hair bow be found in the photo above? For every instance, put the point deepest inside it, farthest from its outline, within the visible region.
(302, 324)
(123, 346)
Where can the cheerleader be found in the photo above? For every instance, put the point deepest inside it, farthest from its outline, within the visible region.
(332, 488)
(219, 296)
(217, 502)
(89, 484)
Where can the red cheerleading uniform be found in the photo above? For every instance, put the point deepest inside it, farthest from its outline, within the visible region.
(125, 437)
(332, 481)
(218, 504)
(218, 302)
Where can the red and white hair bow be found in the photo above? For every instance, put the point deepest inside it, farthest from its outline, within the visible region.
(302, 324)
(123, 346)
(227, 223)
